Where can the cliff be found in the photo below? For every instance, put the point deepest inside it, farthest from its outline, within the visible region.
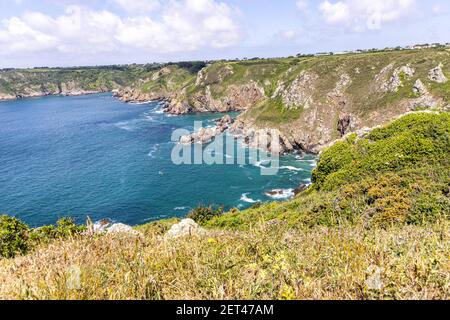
(25, 83)
(312, 101)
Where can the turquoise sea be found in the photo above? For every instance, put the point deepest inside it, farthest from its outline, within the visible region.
(96, 156)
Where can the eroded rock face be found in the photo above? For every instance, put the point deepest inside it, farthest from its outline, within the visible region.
(437, 75)
(237, 98)
(424, 100)
(300, 92)
(185, 228)
(395, 81)
(343, 83)
(345, 124)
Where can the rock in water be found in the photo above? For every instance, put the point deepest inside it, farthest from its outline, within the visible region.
(186, 227)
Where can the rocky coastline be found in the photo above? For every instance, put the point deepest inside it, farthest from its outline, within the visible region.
(37, 94)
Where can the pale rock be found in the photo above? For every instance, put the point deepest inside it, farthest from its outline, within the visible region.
(374, 281)
(437, 75)
(121, 228)
(419, 88)
(185, 228)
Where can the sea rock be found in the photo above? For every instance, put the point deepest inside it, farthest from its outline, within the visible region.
(280, 193)
(300, 189)
(437, 75)
(185, 228)
(206, 135)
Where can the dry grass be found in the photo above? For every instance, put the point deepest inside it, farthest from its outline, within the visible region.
(270, 261)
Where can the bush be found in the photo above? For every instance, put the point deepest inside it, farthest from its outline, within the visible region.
(13, 237)
(66, 227)
(201, 214)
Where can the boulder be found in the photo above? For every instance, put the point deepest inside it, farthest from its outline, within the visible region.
(107, 227)
(437, 75)
(185, 228)
(419, 88)
(121, 228)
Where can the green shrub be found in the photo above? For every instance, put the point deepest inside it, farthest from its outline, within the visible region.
(202, 214)
(66, 227)
(13, 237)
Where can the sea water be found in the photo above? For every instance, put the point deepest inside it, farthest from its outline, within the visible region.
(94, 156)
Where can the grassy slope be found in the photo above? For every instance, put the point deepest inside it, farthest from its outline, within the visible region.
(377, 203)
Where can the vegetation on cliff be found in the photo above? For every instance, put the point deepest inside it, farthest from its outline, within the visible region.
(373, 225)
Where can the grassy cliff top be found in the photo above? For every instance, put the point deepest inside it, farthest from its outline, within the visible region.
(374, 225)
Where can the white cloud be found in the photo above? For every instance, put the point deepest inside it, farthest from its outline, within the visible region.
(302, 5)
(180, 26)
(436, 9)
(361, 15)
(288, 35)
(138, 6)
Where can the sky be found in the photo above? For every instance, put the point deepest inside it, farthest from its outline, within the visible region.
(35, 33)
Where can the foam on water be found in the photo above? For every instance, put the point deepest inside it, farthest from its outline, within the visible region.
(245, 198)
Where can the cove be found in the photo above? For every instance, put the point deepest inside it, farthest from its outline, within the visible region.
(96, 156)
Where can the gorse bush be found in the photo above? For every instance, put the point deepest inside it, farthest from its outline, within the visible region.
(17, 238)
(13, 237)
(202, 214)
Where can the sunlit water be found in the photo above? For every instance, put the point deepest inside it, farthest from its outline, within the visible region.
(98, 157)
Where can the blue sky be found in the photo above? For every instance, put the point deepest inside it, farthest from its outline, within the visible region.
(98, 32)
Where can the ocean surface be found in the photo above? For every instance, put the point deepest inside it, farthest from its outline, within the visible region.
(96, 156)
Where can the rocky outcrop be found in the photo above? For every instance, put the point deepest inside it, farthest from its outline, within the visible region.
(185, 228)
(419, 88)
(437, 75)
(395, 81)
(107, 227)
(424, 99)
(206, 135)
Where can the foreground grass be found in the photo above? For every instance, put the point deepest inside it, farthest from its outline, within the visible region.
(269, 261)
